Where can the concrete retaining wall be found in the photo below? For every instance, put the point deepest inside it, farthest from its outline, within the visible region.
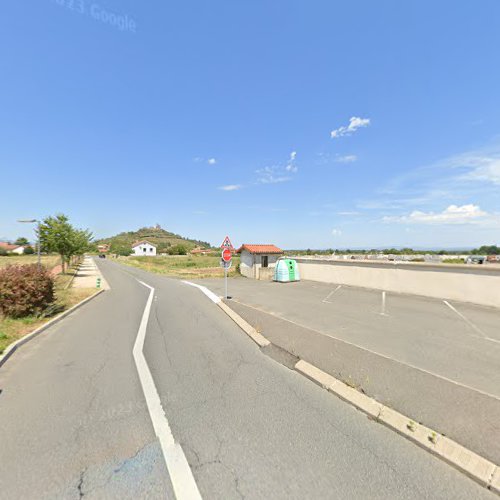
(475, 284)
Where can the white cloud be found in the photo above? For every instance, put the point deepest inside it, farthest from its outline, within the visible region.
(336, 232)
(346, 159)
(291, 167)
(481, 168)
(272, 175)
(348, 213)
(454, 214)
(230, 187)
(211, 161)
(354, 124)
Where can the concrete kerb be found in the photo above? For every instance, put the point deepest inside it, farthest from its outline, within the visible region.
(479, 469)
(259, 339)
(11, 348)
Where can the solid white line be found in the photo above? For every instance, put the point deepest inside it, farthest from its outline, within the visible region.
(423, 370)
(472, 325)
(180, 473)
(482, 335)
(325, 300)
(206, 291)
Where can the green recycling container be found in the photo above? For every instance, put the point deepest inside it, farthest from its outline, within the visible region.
(286, 270)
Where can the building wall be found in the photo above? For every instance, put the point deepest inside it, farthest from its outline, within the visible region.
(251, 266)
(19, 250)
(476, 284)
(247, 264)
(139, 250)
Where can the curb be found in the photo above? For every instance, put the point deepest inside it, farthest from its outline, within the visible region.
(258, 338)
(11, 348)
(479, 469)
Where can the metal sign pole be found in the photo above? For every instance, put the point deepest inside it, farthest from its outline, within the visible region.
(225, 281)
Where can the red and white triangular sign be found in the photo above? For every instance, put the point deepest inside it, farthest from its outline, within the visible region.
(227, 243)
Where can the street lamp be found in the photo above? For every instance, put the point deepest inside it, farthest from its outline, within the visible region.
(34, 221)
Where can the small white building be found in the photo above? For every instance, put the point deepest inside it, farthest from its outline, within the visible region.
(17, 249)
(144, 249)
(258, 261)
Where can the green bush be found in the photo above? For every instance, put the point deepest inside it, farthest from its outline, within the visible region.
(3, 252)
(25, 290)
(177, 250)
(29, 251)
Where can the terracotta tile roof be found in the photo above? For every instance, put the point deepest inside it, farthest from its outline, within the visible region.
(8, 246)
(137, 243)
(269, 249)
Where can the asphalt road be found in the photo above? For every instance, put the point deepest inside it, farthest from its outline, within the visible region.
(458, 341)
(74, 421)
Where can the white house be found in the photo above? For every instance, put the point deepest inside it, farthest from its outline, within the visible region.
(258, 261)
(17, 249)
(144, 249)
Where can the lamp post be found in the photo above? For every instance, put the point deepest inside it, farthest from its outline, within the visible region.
(35, 221)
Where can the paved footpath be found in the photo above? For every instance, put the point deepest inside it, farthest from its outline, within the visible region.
(87, 275)
(74, 423)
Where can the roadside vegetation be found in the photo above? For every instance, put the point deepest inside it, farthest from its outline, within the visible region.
(13, 328)
(31, 295)
(183, 266)
(48, 261)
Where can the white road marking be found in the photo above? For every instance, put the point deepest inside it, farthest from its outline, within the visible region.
(180, 473)
(482, 335)
(325, 300)
(423, 370)
(211, 295)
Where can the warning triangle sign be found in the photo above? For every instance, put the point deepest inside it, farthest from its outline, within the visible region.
(227, 243)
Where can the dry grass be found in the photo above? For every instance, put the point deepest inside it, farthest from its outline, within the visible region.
(13, 329)
(48, 261)
(182, 266)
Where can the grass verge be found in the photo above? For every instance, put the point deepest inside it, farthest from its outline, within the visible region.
(182, 266)
(49, 261)
(13, 329)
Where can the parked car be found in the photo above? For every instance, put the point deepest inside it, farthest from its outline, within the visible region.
(475, 259)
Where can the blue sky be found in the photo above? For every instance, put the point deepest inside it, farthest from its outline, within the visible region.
(305, 124)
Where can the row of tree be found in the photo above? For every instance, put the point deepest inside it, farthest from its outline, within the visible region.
(57, 235)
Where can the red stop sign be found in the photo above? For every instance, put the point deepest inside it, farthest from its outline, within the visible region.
(227, 255)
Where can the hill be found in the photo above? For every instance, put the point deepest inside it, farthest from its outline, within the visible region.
(165, 241)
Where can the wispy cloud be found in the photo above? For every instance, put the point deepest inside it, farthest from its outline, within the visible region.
(291, 167)
(271, 175)
(347, 213)
(230, 187)
(346, 158)
(336, 232)
(454, 214)
(355, 123)
(276, 174)
(211, 161)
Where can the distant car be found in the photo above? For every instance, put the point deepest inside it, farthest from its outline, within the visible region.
(475, 259)
(102, 255)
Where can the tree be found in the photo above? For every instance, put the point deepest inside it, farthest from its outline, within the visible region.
(21, 241)
(59, 236)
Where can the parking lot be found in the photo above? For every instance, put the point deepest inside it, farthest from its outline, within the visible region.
(459, 342)
(437, 361)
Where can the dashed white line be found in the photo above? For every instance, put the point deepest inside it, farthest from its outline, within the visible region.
(325, 300)
(180, 473)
